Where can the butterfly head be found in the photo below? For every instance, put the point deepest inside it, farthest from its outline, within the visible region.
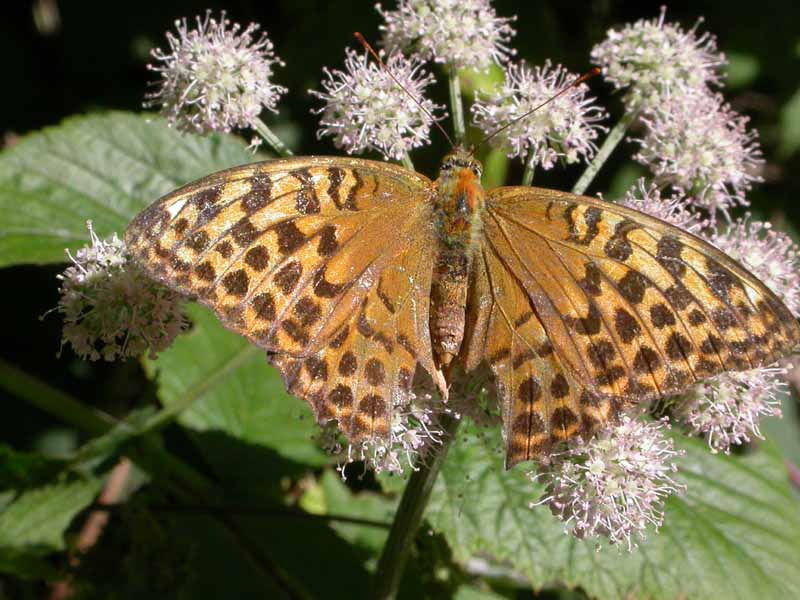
(455, 163)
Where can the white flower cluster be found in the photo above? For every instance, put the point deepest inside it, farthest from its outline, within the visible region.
(675, 210)
(651, 59)
(566, 128)
(700, 146)
(692, 139)
(215, 77)
(726, 409)
(463, 34)
(111, 309)
(414, 428)
(365, 109)
(615, 485)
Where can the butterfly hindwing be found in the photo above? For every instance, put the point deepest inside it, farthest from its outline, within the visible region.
(634, 309)
(324, 262)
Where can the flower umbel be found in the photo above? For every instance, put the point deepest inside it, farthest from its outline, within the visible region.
(675, 209)
(414, 428)
(702, 147)
(460, 33)
(111, 308)
(366, 110)
(726, 409)
(566, 127)
(770, 255)
(615, 484)
(652, 59)
(215, 77)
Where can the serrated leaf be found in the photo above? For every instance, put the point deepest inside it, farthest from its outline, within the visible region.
(104, 167)
(234, 402)
(734, 534)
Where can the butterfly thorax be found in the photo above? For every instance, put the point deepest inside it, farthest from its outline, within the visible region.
(458, 209)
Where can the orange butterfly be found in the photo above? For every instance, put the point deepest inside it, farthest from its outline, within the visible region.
(353, 274)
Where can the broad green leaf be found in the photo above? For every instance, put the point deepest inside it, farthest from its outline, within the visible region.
(734, 534)
(103, 167)
(340, 501)
(33, 525)
(234, 402)
(472, 593)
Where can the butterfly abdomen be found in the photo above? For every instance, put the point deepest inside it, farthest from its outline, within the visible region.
(459, 205)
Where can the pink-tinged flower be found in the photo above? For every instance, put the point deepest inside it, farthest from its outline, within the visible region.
(675, 210)
(700, 146)
(111, 308)
(652, 59)
(215, 77)
(565, 128)
(726, 409)
(615, 484)
(366, 110)
(770, 255)
(414, 429)
(463, 34)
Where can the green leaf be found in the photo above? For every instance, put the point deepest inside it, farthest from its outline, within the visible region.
(734, 534)
(103, 167)
(340, 501)
(234, 403)
(25, 469)
(33, 525)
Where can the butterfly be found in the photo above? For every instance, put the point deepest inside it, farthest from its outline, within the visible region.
(355, 275)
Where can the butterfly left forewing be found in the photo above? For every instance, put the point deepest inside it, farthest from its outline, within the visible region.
(324, 262)
(634, 308)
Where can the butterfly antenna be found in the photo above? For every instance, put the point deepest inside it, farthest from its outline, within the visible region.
(576, 82)
(383, 66)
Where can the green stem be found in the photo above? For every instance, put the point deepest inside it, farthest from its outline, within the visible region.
(409, 515)
(406, 160)
(272, 139)
(54, 402)
(613, 138)
(457, 106)
(530, 166)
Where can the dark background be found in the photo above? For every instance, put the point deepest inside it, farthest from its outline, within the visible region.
(66, 58)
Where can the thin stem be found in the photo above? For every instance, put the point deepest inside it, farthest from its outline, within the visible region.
(613, 138)
(457, 106)
(409, 515)
(54, 402)
(530, 166)
(272, 139)
(406, 160)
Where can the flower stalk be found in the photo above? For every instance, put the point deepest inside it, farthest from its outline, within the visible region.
(612, 140)
(530, 167)
(457, 105)
(409, 514)
(273, 140)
